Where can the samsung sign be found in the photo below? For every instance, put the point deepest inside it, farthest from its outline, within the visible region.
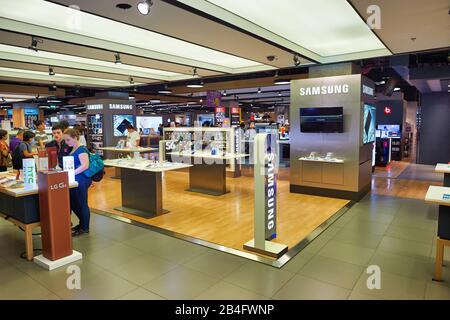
(270, 197)
(323, 90)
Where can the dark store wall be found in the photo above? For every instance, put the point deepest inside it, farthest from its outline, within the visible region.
(434, 144)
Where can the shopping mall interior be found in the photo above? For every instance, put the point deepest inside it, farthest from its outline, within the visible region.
(244, 156)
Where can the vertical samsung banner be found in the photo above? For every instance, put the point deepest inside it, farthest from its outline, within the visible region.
(29, 173)
(270, 187)
(69, 167)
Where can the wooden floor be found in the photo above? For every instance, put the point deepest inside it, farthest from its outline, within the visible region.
(226, 220)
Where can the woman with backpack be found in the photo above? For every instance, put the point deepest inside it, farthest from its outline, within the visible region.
(4, 150)
(23, 150)
(79, 196)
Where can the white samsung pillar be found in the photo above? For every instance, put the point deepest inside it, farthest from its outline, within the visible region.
(265, 205)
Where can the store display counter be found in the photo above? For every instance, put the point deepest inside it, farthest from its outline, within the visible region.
(142, 185)
(208, 173)
(328, 160)
(440, 196)
(20, 206)
(445, 169)
(321, 170)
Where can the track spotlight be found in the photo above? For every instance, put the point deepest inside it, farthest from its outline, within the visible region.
(224, 93)
(194, 73)
(34, 43)
(259, 90)
(296, 60)
(131, 80)
(144, 7)
(117, 56)
(53, 87)
(279, 93)
(51, 72)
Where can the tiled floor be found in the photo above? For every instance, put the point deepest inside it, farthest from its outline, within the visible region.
(122, 261)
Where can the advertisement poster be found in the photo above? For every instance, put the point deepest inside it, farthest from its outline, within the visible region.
(69, 167)
(120, 123)
(29, 173)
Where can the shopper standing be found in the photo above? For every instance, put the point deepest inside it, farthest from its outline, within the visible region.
(79, 196)
(79, 128)
(62, 148)
(4, 150)
(133, 137)
(41, 137)
(15, 141)
(23, 150)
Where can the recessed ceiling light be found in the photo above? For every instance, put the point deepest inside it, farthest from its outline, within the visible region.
(144, 7)
(196, 85)
(282, 81)
(123, 6)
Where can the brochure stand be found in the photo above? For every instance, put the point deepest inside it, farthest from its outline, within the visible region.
(54, 208)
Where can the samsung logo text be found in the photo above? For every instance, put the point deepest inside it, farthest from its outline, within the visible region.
(322, 90)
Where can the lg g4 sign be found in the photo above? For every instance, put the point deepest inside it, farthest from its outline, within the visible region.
(387, 110)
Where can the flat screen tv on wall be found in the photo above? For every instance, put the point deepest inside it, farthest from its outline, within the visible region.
(325, 119)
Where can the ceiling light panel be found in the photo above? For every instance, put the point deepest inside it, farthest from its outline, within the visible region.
(64, 78)
(323, 30)
(62, 60)
(49, 20)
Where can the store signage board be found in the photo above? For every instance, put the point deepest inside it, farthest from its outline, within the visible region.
(368, 90)
(94, 107)
(118, 106)
(69, 167)
(387, 110)
(325, 90)
(29, 173)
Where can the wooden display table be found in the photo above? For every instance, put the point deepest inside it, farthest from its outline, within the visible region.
(21, 207)
(141, 185)
(207, 174)
(441, 196)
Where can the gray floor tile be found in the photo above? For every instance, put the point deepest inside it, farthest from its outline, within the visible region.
(178, 251)
(435, 291)
(141, 294)
(425, 224)
(113, 256)
(182, 283)
(315, 245)
(216, 264)
(227, 291)
(304, 288)
(344, 219)
(259, 278)
(335, 272)
(16, 285)
(410, 248)
(330, 232)
(411, 233)
(402, 265)
(56, 280)
(150, 241)
(393, 287)
(122, 232)
(92, 243)
(347, 253)
(358, 238)
(370, 227)
(296, 263)
(102, 286)
(144, 268)
(374, 216)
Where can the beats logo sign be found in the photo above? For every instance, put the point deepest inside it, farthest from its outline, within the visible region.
(387, 110)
